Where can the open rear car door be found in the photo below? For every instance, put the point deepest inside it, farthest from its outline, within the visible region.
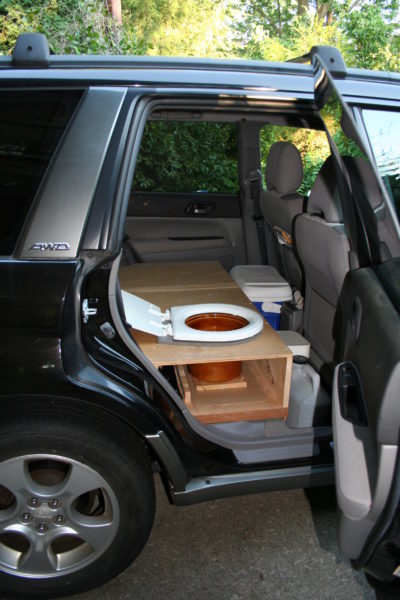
(366, 386)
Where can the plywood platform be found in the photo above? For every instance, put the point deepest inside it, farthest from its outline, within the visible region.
(163, 352)
(184, 276)
(261, 399)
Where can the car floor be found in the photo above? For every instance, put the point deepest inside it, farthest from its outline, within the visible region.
(265, 546)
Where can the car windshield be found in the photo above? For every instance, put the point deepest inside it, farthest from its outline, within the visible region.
(383, 128)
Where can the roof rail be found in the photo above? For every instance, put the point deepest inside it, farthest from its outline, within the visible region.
(31, 50)
(331, 57)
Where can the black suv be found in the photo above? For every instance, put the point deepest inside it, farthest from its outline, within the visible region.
(88, 413)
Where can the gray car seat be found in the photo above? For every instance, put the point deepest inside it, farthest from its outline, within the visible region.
(362, 176)
(279, 204)
(323, 248)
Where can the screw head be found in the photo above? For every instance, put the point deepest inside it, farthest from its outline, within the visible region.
(34, 502)
(54, 503)
(59, 519)
(42, 527)
(26, 517)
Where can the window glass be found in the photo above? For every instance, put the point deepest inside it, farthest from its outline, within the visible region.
(187, 156)
(383, 128)
(312, 144)
(31, 125)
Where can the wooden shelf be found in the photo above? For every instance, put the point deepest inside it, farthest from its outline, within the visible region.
(155, 277)
(257, 395)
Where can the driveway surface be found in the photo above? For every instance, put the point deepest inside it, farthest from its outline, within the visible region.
(279, 545)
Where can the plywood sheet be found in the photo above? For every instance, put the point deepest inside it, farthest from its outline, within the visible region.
(266, 344)
(174, 276)
(261, 400)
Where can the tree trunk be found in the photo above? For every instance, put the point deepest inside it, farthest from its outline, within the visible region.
(302, 7)
(114, 8)
(329, 17)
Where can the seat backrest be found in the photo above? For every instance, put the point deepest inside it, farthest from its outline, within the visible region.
(362, 176)
(279, 204)
(323, 248)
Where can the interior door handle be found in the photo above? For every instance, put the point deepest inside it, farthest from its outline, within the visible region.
(200, 208)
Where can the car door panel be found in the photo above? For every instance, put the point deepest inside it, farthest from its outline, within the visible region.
(158, 239)
(366, 449)
(366, 415)
(177, 227)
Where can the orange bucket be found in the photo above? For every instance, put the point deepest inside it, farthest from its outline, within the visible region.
(216, 371)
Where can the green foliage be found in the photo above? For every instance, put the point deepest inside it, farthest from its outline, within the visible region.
(180, 27)
(171, 159)
(71, 26)
(372, 35)
(366, 32)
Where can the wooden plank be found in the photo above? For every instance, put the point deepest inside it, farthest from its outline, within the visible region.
(261, 400)
(181, 276)
(267, 344)
(239, 383)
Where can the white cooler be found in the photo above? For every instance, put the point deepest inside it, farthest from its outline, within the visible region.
(266, 289)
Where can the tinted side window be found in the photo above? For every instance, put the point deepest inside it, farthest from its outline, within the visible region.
(31, 125)
(179, 156)
(383, 128)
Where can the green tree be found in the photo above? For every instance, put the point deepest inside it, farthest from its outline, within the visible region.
(180, 27)
(367, 32)
(71, 26)
(371, 34)
(171, 159)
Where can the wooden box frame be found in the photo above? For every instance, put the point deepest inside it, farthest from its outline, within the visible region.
(262, 392)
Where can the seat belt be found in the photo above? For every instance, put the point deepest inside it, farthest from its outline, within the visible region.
(253, 184)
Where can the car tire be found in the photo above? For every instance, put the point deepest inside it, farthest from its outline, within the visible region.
(77, 502)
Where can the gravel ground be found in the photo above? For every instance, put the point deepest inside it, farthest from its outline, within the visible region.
(278, 545)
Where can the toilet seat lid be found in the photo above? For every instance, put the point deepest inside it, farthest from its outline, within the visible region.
(148, 317)
(145, 316)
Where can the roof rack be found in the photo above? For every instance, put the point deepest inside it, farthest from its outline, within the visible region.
(31, 50)
(331, 57)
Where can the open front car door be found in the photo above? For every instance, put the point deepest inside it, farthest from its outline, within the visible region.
(366, 386)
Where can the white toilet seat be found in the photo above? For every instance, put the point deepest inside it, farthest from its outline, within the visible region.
(144, 316)
(181, 331)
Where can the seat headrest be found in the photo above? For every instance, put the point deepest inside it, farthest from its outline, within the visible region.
(324, 200)
(284, 168)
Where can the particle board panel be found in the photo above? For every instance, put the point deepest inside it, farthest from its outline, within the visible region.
(261, 400)
(174, 276)
(167, 298)
(267, 344)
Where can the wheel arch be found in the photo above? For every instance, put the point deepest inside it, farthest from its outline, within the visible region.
(122, 421)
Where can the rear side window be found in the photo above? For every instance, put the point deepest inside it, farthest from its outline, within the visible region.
(383, 128)
(31, 125)
(187, 156)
